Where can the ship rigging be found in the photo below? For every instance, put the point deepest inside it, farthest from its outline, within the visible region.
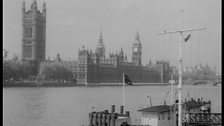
(181, 31)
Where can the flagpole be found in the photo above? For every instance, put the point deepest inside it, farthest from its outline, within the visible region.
(123, 92)
(171, 98)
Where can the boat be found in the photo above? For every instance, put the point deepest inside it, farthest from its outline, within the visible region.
(217, 83)
(200, 83)
(194, 113)
(182, 113)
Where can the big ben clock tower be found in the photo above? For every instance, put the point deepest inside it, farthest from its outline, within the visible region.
(137, 51)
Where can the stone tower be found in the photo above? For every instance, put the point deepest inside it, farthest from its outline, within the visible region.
(137, 51)
(34, 33)
(101, 48)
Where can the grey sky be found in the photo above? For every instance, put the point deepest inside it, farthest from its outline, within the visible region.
(73, 23)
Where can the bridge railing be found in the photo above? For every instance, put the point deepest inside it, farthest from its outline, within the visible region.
(203, 118)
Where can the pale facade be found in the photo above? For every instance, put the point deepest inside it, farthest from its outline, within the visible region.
(157, 116)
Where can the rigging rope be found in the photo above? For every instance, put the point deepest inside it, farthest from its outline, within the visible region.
(163, 48)
(194, 20)
(199, 46)
(169, 47)
(191, 45)
(171, 20)
(164, 97)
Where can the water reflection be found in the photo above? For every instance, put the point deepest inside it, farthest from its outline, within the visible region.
(27, 104)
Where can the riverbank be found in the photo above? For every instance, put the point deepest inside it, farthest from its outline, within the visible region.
(37, 84)
(70, 84)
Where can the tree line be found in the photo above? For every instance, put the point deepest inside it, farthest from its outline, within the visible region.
(14, 70)
(197, 72)
(55, 70)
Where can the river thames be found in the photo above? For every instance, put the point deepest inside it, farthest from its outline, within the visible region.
(70, 106)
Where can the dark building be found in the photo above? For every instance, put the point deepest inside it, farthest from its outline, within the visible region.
(34, 33)
(94, 67)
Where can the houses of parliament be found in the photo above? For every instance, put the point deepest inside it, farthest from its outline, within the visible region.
(34, 33)
(91, 67)
(94, 67)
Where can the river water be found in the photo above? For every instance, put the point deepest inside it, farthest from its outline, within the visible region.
(69, 106)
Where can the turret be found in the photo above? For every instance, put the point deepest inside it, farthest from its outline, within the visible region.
(125, 58)
(44, 9)
(121, 55)
(23, 7)
(34, 5)
(150, 62)
(137, 38)
(101, 48)
(101, 37)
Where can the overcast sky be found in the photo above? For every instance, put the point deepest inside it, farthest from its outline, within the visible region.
(73, 23)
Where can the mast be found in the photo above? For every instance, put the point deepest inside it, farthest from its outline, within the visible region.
(180, 75)
(171, 98)
(181, 31)
(123, 91)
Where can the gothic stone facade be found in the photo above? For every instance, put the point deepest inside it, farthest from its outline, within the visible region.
(94, 67)
(34, 33)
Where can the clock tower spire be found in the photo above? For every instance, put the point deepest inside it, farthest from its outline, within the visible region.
(137, 51)
(101, 48)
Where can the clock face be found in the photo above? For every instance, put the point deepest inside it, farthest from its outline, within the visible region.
(135, 49)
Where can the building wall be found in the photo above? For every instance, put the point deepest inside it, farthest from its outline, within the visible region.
(150, 76)
(156, 119)
(164, 121)
(107, 73)
(149, 119)
(164, 69)
(90, 69)
(94, 67)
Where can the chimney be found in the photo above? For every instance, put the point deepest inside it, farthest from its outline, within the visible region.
(112, 108)
(127, 113)
(106, 111)
(209, 102)
(122, 109)
(201, 99)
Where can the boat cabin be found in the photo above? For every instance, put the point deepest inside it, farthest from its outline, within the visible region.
(165, 115)
(159, 115)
